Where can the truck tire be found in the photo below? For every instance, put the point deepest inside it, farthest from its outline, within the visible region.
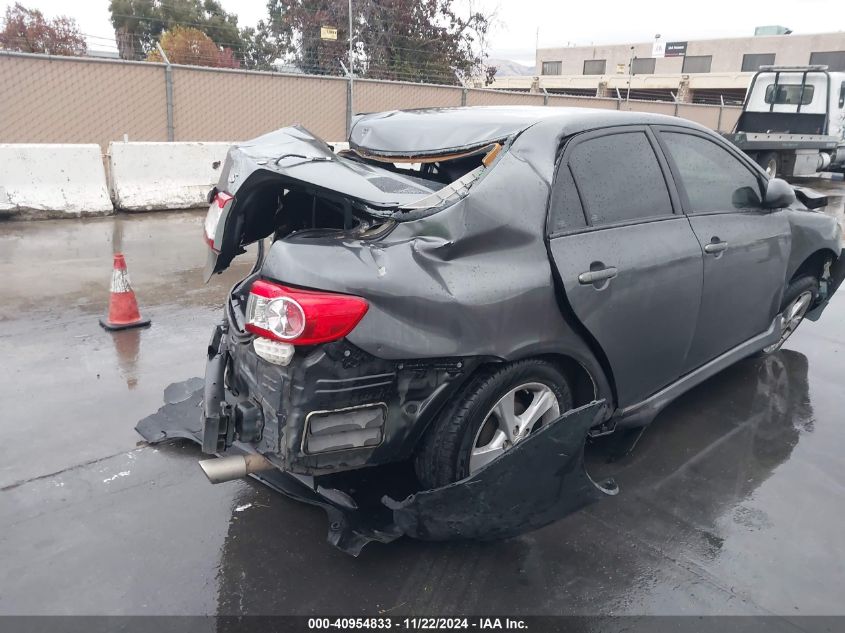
(484, 420)
(770, 162)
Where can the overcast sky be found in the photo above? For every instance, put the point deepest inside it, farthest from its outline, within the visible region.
(560, 22)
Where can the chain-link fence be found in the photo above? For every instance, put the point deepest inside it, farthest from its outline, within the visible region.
(52, 99)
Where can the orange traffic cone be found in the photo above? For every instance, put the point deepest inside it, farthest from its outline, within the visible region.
(123, 308)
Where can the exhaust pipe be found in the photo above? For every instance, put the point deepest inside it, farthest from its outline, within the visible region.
(222, 469)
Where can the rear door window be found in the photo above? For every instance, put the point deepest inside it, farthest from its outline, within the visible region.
(713, 178)
(619, 179)
(565, 211)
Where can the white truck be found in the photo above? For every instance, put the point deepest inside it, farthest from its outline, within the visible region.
(793, 120)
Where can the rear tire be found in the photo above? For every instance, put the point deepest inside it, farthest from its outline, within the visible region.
(479, 424)
(769, 161)
(798, 298)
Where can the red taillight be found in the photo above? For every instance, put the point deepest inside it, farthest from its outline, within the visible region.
(222, 198)
(301, 317)
(212, 218)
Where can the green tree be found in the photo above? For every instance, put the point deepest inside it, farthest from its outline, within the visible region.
(138, 24)
(192, 47)
(296, 25)
(206, 15)
(412, 40)
(28, 31)
(260, 47)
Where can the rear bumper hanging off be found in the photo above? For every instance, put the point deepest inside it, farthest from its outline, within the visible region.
(539, 481)
(217, 432)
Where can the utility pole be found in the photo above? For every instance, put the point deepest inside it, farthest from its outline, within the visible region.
(168, 87)
(351, 73)
(630, 73)
(350, 36)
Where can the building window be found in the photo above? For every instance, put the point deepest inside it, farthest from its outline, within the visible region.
(697, 63)
(552, 68)
(594, 66)
(789, 94)
(642, 66)
(752, 62)
(834, 60)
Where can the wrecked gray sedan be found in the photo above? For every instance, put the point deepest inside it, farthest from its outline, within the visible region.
(474, 291)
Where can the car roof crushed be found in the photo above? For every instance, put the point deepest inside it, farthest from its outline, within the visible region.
(441, 131)
(411, 136)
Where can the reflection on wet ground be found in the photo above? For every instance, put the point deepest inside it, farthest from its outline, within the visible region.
(127, 344)
(731, 502)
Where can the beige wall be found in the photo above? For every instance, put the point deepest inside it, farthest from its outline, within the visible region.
(71, 100)
(67, 100)
(495, 97)
(217, 105)
(378, 96)
(655, 107)
(727, 52)
(583, 102)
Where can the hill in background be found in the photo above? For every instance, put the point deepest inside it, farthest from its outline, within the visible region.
(508, 68)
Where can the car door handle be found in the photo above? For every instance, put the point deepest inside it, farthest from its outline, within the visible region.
(715, 247)
(594, 276)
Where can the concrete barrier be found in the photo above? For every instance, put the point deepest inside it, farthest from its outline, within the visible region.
(154, 176)
(46, 180)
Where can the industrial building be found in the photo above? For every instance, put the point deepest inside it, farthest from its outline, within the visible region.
(695, 71)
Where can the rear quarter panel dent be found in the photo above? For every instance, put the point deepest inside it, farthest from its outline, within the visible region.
(473, 279)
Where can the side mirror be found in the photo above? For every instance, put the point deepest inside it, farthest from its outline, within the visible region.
(779, 194)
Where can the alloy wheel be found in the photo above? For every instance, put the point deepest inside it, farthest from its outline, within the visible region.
(792, 316)
(516, 415)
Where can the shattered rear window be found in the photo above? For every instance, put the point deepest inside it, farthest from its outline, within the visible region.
(447, 177)
(394, 185)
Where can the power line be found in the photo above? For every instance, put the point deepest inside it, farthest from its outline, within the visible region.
(381, 60)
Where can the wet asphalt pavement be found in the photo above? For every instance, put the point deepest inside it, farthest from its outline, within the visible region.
(732, 502)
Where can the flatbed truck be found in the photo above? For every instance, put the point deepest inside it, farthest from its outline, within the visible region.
(793, 120)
